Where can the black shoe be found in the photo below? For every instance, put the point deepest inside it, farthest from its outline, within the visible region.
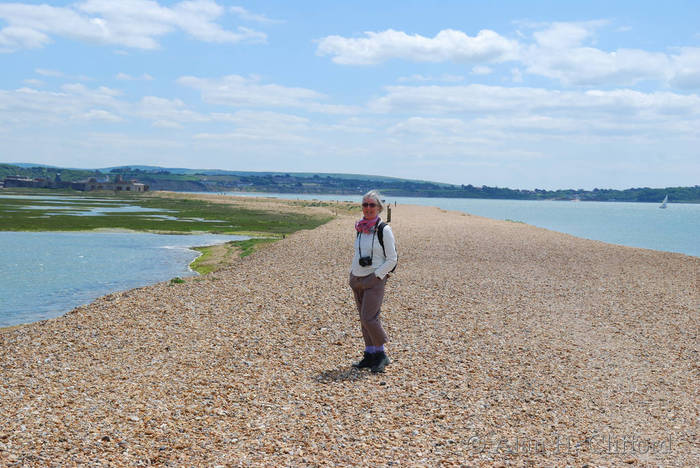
(367, 361)
(380, 362)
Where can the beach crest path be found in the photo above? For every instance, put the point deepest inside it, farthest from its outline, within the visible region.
(510, 345)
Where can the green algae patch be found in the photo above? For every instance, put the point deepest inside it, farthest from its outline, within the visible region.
(247, 247)
(216, 257)
(147, 213)
(213, 258)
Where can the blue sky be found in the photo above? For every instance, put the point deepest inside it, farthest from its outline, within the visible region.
(538, 94)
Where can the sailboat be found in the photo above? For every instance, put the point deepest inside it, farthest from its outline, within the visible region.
(663, 203)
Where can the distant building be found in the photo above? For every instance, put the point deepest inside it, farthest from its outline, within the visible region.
(118, 185)
(20, 181)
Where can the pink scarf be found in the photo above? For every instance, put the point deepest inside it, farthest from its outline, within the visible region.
(366, 225)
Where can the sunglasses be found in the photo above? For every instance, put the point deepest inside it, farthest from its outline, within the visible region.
(371, 205)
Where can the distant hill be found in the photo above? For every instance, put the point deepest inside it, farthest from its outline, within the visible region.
(216, 180)
(25, 165)
(262, 174)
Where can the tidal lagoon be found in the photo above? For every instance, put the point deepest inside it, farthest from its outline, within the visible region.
(45, 274)
(64, 262)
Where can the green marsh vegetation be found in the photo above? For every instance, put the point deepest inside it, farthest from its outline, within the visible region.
(75, 211)
(247, 247)
(215, 257)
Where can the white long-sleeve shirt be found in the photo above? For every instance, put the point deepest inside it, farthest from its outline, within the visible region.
(381, 265)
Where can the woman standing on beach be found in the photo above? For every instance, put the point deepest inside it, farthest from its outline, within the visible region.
(371, 265)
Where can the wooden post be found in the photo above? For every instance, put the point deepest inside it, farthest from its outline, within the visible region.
(388, 214)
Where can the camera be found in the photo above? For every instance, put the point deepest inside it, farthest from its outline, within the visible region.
(365, 261)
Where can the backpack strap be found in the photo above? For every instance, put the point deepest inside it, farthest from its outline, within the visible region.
(380, 236)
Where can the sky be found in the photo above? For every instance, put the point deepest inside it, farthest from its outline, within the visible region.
(536, 94)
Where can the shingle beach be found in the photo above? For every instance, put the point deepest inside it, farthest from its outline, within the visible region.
(510, 345)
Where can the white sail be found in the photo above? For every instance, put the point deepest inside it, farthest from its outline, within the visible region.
(663, 203)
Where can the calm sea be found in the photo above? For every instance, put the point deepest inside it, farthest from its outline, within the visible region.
(675, 229)
(46, 274)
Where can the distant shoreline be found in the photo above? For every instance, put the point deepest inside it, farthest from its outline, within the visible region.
(215, 181)
(393, 195)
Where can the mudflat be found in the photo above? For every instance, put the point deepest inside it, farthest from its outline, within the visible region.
(510, 345)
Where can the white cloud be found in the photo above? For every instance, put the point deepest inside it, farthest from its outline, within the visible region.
(76, 102)
(516, 75)
(129, 23)
(32, 108)
(262, 126)
(27, 107)
(564, 52)
(300, 142)
(593, 67)
(196, 18)
(60, 74)
(414, 78)
(17, 37)
(482, 70)
(52, 73)
(167, 110)
(429, 126)
(504, 98)
(167, 124)
(619, 112)
(686, 69)
(235, 90)
(448, 44)
(255, 135)
(561, 51)
(127, 77)
(257, 118)
(450, 78)
(34, 82)
(100, 93)
(99, 114)
(453, 141)
(566, 35)
(446, 78)
(248, 16)
(352, 125)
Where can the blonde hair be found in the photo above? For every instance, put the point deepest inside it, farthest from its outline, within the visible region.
(377, 197)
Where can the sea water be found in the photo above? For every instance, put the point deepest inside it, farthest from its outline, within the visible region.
(45, 274)
(674, 229)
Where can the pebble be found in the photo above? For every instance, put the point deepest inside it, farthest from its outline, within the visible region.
(491, 324)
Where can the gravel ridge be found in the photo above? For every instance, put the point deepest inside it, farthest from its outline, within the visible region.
(511, 346)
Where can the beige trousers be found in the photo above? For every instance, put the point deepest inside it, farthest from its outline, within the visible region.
(369, 293)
